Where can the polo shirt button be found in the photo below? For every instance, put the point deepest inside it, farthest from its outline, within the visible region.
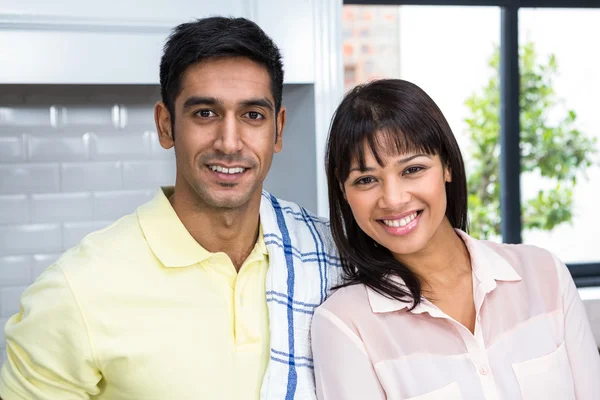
(484, 370)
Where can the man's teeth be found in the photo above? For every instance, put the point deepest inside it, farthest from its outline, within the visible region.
(400, 222)
(222, 170)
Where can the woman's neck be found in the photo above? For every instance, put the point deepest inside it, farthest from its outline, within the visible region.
(444, 262)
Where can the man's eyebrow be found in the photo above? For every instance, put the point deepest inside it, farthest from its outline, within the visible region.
(211, 101)
(258, 102)
(200, 100)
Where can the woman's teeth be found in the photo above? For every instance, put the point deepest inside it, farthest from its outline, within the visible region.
(402, 221)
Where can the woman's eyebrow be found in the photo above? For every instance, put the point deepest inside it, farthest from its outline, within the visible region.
(410, 158)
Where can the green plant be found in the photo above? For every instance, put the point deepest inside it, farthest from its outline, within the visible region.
(551, 148)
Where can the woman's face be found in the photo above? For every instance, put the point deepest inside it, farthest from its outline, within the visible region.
(402, 204)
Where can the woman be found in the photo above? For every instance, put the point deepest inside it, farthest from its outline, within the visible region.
(426, 311)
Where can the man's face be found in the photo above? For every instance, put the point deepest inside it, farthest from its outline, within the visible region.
(225, 132)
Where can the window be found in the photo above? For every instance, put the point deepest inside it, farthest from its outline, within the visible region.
(446, 48)
(560, 131)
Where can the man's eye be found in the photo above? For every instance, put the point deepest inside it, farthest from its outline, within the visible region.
(205, 113)
(254, 115)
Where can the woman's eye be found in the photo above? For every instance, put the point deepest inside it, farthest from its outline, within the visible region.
(205, 113)
(412, 170)
(365, 181)
(254, 115)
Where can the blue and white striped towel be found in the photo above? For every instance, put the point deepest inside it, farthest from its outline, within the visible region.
(303, 266)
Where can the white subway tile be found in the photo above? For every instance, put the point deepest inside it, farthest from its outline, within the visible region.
(27, 239)
(3, 322)
(2, 354)
(58, 207)
(14, 209)
(121, 146)
(58, 148)
(114, 205)
(89, 115)
(12, 148)
(140, 114)
(73, 232)
(25, 116)
(29, 178)
(44, 178)
(15, 178)
(148, 174)
(156, 150)
(10, 300)
(14, 270)
(40, 262)
(81, 177)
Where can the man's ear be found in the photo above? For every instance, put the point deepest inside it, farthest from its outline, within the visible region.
(280, 126)
(164, 125)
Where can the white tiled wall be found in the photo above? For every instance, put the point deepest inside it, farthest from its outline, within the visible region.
(72, 160)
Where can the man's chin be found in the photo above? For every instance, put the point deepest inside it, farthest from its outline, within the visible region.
(229, 201)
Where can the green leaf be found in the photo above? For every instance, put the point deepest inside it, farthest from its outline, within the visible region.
(556, 151)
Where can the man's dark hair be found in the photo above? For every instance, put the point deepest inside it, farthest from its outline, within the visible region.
(216, 37)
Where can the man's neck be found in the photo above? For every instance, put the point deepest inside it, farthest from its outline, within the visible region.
(230, 231)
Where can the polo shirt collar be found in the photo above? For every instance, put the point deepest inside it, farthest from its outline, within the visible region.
(488, 267)
(166, 235)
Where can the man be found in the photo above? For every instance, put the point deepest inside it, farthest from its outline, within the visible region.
(207, 291)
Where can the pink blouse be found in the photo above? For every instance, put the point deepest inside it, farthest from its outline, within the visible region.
(532, 338)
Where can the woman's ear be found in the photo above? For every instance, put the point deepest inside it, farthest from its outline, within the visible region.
(342, 190)
(447, 174)
(341, 185)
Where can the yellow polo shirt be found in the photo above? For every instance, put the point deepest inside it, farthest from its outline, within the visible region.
(141, 311)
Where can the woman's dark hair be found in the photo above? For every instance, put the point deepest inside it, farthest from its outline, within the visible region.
(214, 37)
(384, 114)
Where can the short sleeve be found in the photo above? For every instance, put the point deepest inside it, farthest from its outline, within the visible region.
(49, 353)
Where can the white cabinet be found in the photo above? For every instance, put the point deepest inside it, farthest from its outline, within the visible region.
(120, 41)
(290, 23)
(122, 10)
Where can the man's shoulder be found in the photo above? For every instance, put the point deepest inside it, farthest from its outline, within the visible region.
(293, 212)
(287, 225)
(110, 246)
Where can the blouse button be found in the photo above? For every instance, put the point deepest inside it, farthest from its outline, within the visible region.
(484, 370)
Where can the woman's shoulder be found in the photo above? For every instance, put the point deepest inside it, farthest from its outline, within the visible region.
(530, 262)
(346, 302)
(519, 251)
(522, 254)
(521, 257)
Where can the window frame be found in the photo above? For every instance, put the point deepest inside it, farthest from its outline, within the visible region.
(584, 274)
